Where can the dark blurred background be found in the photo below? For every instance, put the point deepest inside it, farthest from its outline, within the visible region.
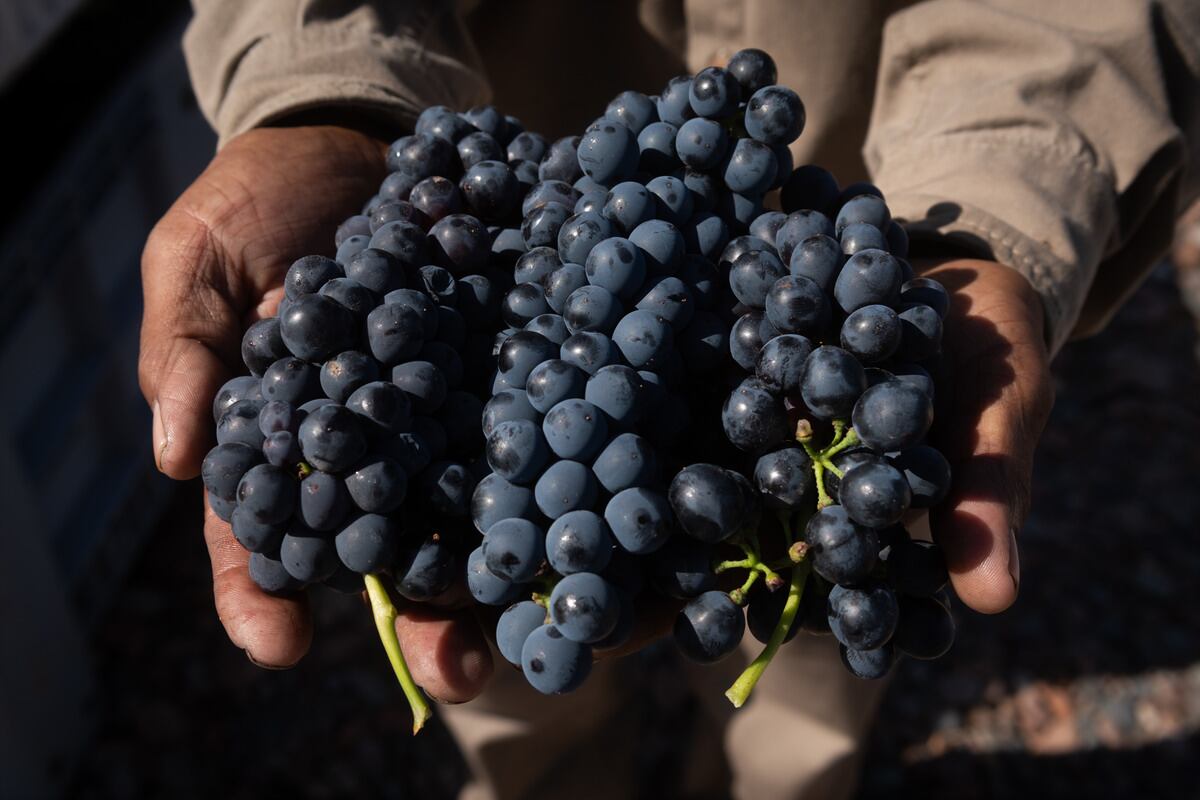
(117, 681)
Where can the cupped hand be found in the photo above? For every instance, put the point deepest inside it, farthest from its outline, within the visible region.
(214, 264)
(992, 405)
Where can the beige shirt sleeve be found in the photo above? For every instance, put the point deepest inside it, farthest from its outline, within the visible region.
(252, 62)
(1060, 137)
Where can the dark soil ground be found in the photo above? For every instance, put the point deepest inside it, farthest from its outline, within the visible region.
(1088, 687)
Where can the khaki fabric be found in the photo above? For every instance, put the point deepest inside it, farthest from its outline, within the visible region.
(1059, 137)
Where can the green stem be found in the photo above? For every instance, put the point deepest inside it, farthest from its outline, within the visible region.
(385, 622)
(823, 498)
(725, 566)
(739, 595)
(845, 443)
(739, 692)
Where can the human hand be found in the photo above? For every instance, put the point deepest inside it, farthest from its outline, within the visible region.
(214, 264)
(990, 412)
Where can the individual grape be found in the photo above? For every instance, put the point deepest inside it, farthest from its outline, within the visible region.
(346, 372)
(767, 224)
(754, 420)
(565, 486)
(331, 438)
(575, 429)
(448, 487)
(541, 226)
(552, 663)
(591, 202)
(683, 568)
(656, 148)
(488, 120)
(239, 424)
(316, 327)
(424, 568)
(707, 502)
(780, 363)
(269, 575)
(476, 147)
(669, 299)
(495, 499)
(323, 502)
(243, 387)
(753, 274)
(752, 69)
(863, 617)
(801, 226)
(748, 336)
(833, 381)
(875, 494)
(516, 450)
(506, 405)
(520, 353)
(608, 151)
(552, 326)
(267, 494)
(549, 191)
(429, 152)
(644, 339)
(368, 543)
(673, 105)
(589, 351)
(926, 291)
(224, 467)
(377, 484)
(750, 167)
(437, 197)
(860, 236)
(522, 303)
(775, 115)
(796, 304)
(485, 587)
(308, 556)
(869, 664)
(553, 381)
(308, 274)
(869, 277)
(584, 607)
(701, 144)
(704, 187)
(921, 333)
(661, 244)
(514, 626)
(705, 235)
(357, 225)
(927, 473)
(377, 270)
(460, 243)
(535, 265)
(254, 535)
(739, 210)
(891, 416)
(394, 211)
(709, 627)
(592, 308)
(580, 233)
(846, 461)
(926, 628)
(221, 507)
(864, 209)
(395, 332)
(871, 333)
(617, 265)
(290, 380)
(617, 391)
(628, 205)
(633, 110)
(579, 541)
(491, 190)
(262, 345)
(714, 93)
(917, 568)
(527, 146)
(842, 551)
(404, 240)
(640, 520)
(785, 480)
(382, 409)
(514, 549)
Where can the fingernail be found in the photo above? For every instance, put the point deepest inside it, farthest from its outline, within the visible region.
(159, 436)
(1014, 559)
(261, 665)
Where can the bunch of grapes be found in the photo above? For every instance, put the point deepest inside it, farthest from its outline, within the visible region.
(602, 355)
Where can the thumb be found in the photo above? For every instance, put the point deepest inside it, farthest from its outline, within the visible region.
(1000, 395)
(189, 337)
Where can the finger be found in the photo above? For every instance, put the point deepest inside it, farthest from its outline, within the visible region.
(190, 337)
(1000, 396)
(274, 631)
(446, 652)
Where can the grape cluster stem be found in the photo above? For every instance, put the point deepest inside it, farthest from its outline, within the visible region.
(385, 622)
(739, 692)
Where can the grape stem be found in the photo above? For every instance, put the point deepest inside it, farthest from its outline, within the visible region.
(739, 692)
(385, 622)
(844, 437)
